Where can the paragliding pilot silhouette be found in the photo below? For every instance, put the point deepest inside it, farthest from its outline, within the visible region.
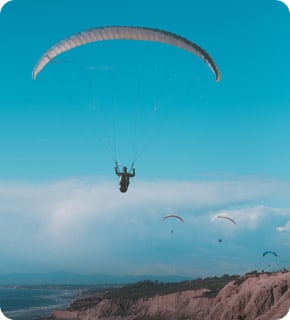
(124, 176)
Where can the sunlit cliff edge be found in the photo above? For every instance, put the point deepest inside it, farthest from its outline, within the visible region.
(259, 296)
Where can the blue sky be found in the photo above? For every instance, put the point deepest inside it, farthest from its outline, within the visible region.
(207, 148)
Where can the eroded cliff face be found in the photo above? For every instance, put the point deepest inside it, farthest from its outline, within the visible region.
(259, 297)
(265, 297)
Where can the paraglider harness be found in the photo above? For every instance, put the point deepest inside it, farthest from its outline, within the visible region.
(124, 176)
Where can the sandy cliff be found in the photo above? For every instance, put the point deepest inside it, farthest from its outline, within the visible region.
(255, 296)
(265, 297)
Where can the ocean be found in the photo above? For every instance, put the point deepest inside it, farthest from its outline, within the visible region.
(35, 302)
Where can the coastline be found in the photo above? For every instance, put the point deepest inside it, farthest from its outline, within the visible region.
(253, 296)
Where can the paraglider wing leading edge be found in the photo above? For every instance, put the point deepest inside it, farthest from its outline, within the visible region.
(124, 33)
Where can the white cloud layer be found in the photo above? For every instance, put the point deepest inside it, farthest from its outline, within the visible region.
(87, 225)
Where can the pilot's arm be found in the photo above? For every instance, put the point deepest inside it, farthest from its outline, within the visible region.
(117, 172)
(133, 173)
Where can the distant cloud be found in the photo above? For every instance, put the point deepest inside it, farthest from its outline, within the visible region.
(86, 224)
(286, 228)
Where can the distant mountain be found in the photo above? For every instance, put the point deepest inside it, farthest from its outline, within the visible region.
(64, 278)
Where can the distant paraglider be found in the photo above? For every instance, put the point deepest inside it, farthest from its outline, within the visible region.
(227, 218)
(271, 258)
(232, 221)
(270, 252)
(174, 217)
